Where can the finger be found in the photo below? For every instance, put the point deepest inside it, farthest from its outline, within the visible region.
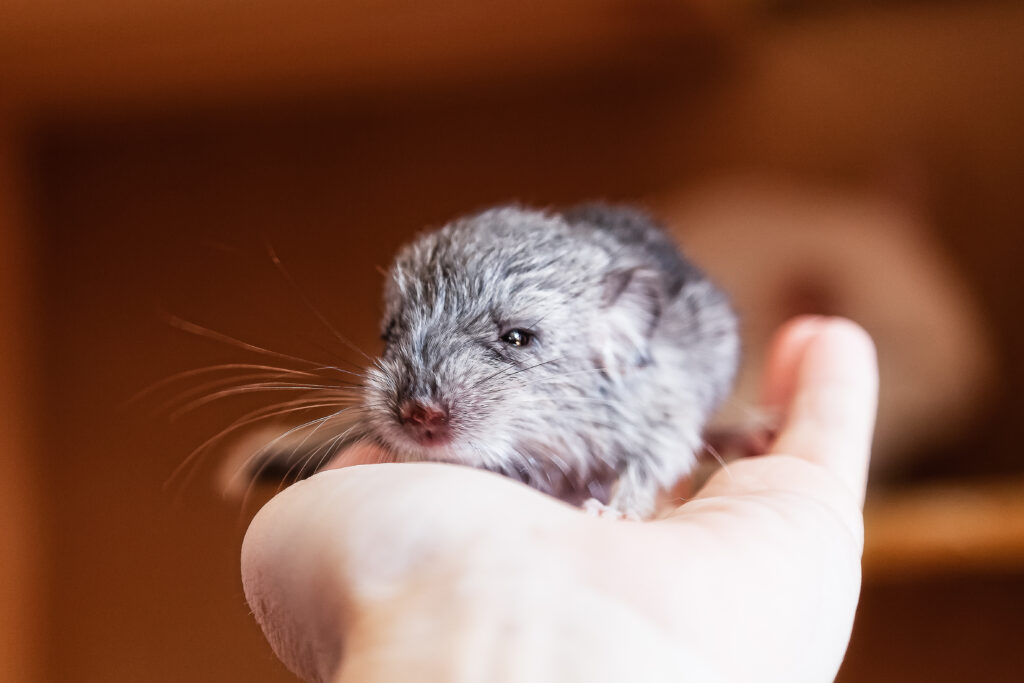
(332, 547)
(786, 351)
(830, 415)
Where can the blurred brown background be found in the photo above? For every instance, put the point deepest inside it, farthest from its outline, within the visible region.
(149, 151)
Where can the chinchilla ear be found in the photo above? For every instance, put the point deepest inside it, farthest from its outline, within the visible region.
(631, 306)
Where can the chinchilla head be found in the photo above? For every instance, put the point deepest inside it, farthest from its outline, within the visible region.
(516, 340)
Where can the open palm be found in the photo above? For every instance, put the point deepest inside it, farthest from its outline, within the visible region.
(430, 572)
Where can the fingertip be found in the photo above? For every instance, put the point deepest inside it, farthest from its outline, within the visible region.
(840, 349)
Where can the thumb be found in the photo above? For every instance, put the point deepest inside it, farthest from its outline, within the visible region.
(829, 418)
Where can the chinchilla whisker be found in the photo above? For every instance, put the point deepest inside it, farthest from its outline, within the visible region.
(259, 454)
(313, 401)
(255, 388)
(559, 377)
(260, 416)
(238, 381)
(539, 320)
(250, 477)
(211, 369)
(537, 365)
(298, 446)
(499, 373)
(199, 330)
(266, 447)
(331, 448)
(556, 401)
(330, 351)
(291, 458)
(309, 304)
(514, 370)
(717, 456)
(511, 372)
(253, 384)
(249, 418)
(328, 449)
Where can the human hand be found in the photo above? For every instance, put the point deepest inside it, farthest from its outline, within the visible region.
(431, 572)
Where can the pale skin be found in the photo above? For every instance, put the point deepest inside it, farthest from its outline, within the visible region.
(430, 572)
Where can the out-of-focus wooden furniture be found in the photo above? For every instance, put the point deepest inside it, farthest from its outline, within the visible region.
(21, 549)
(110, 53)
(145, 150)
(945, 529)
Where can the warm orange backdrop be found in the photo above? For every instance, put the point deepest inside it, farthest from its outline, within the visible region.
(151, 158)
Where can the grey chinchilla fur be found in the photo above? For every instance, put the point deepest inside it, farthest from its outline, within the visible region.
(630, 350)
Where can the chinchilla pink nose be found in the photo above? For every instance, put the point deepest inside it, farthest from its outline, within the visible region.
(426, 423)
(424, 414)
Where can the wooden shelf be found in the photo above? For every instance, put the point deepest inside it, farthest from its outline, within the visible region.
(945, 529)
(108, 52)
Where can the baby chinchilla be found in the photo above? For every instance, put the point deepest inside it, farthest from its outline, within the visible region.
(578, 352)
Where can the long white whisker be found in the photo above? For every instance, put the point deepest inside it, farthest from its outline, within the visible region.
(238, 382)
(556, 401)
(259, 454)
(309, 304)
(513, 370)
(210, 369)
(193, 328)
(570, 373)
(327, 448)
(248, 419)
(717, 456)
(329, 452)
(328, 390)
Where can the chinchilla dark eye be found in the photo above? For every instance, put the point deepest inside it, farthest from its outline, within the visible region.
(517, 337)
